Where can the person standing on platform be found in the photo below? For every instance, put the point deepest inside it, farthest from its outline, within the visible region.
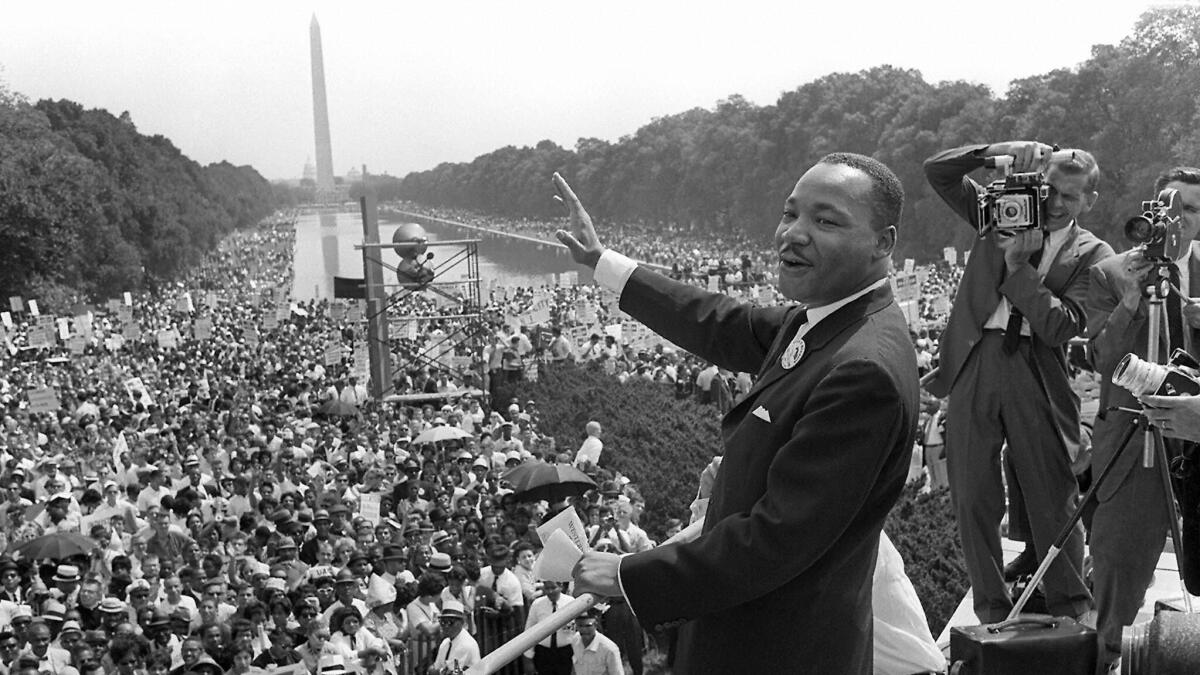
(1004, 370)
(1130, 525)
(815, 454)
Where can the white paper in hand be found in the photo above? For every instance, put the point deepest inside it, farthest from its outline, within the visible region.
(557, 559)
(569, 523)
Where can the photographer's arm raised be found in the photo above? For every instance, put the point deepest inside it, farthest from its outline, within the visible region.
(947, 171)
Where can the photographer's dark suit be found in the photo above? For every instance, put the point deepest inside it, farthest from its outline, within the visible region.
(1130, 524)
(815, 457)
(1023, 397)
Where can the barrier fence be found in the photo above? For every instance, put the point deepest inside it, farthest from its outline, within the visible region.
(492, 629)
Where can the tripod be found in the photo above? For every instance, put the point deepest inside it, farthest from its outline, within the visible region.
(1153, 451)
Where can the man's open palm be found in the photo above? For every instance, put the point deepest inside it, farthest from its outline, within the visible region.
(581, 240)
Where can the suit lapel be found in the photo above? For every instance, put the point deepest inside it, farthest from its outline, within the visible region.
(1063, 265)
(820, 335)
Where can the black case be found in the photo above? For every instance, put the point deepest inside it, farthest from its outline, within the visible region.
(1031, 644)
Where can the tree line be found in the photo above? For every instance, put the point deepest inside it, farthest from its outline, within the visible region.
(1133, 105)
(89, 207)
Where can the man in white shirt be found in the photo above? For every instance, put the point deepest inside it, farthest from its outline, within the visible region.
(151, 496)
(589, 451)
(553, 655)
(594, 653)
(458, 650)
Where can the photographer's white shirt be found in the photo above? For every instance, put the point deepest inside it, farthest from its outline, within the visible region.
(1054, 242)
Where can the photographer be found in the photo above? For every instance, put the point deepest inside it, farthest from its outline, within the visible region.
(1004, 368)
(1130, 523)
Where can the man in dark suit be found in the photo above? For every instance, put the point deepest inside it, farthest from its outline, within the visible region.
(1004, 368)
(1130, 523)
(815, 454)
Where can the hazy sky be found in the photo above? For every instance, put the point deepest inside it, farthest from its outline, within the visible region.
(415, 83)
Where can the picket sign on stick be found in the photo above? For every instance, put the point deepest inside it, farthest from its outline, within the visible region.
(514, 648)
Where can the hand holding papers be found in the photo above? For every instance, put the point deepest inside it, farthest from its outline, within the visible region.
(565, 542)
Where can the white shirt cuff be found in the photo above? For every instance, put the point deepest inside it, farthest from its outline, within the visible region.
(621, 585)
(613, 270)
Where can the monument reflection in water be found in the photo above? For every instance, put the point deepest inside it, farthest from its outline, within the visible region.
(325, 248)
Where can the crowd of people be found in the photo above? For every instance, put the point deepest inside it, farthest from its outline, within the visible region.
(234, 518)
(228, 517)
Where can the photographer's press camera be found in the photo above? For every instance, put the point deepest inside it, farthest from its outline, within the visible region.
(1160, 228)
(1178, 377)
(1016, 202)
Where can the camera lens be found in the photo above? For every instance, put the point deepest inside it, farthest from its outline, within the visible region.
(1010, 211)
(1139, 230)
(1137, 376)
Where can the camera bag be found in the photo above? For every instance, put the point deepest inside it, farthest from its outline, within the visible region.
(1031, 644)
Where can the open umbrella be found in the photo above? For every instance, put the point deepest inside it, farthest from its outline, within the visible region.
(533, 481)
(440, 433)
(55, 546)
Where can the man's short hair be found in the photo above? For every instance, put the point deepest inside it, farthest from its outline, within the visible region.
(1081, 163)
(887, 193)
(1180, 174)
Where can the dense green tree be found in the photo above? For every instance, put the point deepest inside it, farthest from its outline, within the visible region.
(1133, 104)
(91, 207)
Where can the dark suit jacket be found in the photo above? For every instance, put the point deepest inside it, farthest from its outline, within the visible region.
(780, 580)
(1054, 306)
(1114, 332)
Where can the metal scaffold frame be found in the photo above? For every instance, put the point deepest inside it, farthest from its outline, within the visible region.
(383, 301)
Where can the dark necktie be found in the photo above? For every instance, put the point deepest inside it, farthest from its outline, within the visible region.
(554, 635)
(1012, 332)
(1174, 312)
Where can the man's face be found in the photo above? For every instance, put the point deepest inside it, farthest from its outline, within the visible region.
(174, 588)
(190, 651)
(39, 639)
(89, 595)
(212, 638)
(586, 628)
(1189, 199)
(827, 246)
(1070, 197)
(9, 648)
(451, 626)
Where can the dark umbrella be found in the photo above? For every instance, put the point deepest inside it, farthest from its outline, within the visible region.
(533, 481)
(55, 546)
(338, 408)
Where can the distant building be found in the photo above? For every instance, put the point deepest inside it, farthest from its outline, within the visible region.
(310, 171)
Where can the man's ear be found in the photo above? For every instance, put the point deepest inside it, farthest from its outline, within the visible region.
(885, 241)
(1089, 201)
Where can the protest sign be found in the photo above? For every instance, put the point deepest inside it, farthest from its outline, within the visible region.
(15, 303)
(137, 391)
(202, 328)
(33, 307)
(368, 507)
(77, 345)
(43, 400)
(333, 355)
(950, 255)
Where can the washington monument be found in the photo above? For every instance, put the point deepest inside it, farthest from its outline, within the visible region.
(321, 115)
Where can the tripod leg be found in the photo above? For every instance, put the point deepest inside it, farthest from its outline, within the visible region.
(1069, 528)
(1172, 512)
